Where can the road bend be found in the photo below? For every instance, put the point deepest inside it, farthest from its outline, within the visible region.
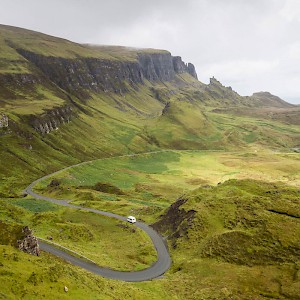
(157, 269)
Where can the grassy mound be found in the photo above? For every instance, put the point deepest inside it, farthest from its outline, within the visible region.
(107, 188)
(245, 222)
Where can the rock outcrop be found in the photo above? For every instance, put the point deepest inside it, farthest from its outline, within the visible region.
(24, 82)
(219, 92)
(191, 70)
(52, 119)
(182, 67)
(3, 121)
(175, 222)
(179, 65)
(29, 244)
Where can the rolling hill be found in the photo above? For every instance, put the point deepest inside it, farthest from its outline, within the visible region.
(62, 103)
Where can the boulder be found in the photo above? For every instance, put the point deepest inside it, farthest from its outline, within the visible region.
(29, 244)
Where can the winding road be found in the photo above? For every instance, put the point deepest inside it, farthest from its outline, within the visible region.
(162, 264)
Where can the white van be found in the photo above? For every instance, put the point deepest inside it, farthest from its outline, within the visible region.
(131, 219)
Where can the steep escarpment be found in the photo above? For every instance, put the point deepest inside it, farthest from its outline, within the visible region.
(82, 75)
(163, 66)
(119, 100)
(182, 67)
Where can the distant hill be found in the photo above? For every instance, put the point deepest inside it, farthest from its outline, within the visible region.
(267, 99)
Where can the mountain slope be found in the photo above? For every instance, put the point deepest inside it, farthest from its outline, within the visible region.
(67, 102)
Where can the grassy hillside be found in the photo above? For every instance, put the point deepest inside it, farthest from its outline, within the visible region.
(233, 233)
(109, 126)
(14, 38)
(237, 240)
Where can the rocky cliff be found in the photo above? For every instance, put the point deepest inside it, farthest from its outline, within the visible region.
(182, 67)
(157, 66)
(52, 119)
(84, 74)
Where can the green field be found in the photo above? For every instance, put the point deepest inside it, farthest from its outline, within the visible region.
(151, 182)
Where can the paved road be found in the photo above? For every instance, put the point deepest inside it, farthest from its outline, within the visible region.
(162, 264)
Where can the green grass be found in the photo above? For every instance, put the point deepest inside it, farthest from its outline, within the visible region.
(152, 182)
(52, 46)
(236, 246)
(50, 275)
(231, 250)
(208, 263)
(255, 131)
(115, 124)
(109, 243)
(35, 205)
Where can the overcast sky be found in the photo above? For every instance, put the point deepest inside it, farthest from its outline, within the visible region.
(251, 45)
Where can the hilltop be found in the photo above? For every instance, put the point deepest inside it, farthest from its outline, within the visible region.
(267, 99)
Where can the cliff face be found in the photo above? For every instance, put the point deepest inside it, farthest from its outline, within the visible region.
(49, 79)
(52, 120)
(191, 70)
(157, 66)
(78, 76)
(81, 75)
(181, 67)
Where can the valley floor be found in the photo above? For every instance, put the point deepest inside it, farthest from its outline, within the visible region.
(234, 195)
